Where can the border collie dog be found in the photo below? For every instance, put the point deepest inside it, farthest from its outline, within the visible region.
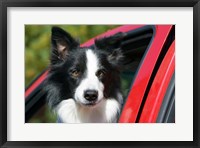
(83, 83)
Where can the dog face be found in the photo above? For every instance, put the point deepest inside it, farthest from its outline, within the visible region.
(90, 89)
(86, 74)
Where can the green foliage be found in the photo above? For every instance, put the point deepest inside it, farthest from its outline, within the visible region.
(43, 115)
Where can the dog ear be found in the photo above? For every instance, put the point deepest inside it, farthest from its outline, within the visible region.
(62, 42)
(116, 57)
(110, 42)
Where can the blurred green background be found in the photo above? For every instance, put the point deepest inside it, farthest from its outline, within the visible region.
(37, 53)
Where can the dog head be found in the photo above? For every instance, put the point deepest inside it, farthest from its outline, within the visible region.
(86, 74)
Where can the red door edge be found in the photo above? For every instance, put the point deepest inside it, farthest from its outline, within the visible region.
(35, 84)
(134, 100)
(159, 87)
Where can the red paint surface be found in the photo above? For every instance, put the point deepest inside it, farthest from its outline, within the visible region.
(132, 105)
(159, 87)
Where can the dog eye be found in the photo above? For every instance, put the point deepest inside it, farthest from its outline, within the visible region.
(100, 73)
(75, 73)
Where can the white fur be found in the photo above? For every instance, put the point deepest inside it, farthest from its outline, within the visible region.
(91, 81)
(104, 112)
(67, 111)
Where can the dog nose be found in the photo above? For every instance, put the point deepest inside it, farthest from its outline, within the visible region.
(90, 95)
